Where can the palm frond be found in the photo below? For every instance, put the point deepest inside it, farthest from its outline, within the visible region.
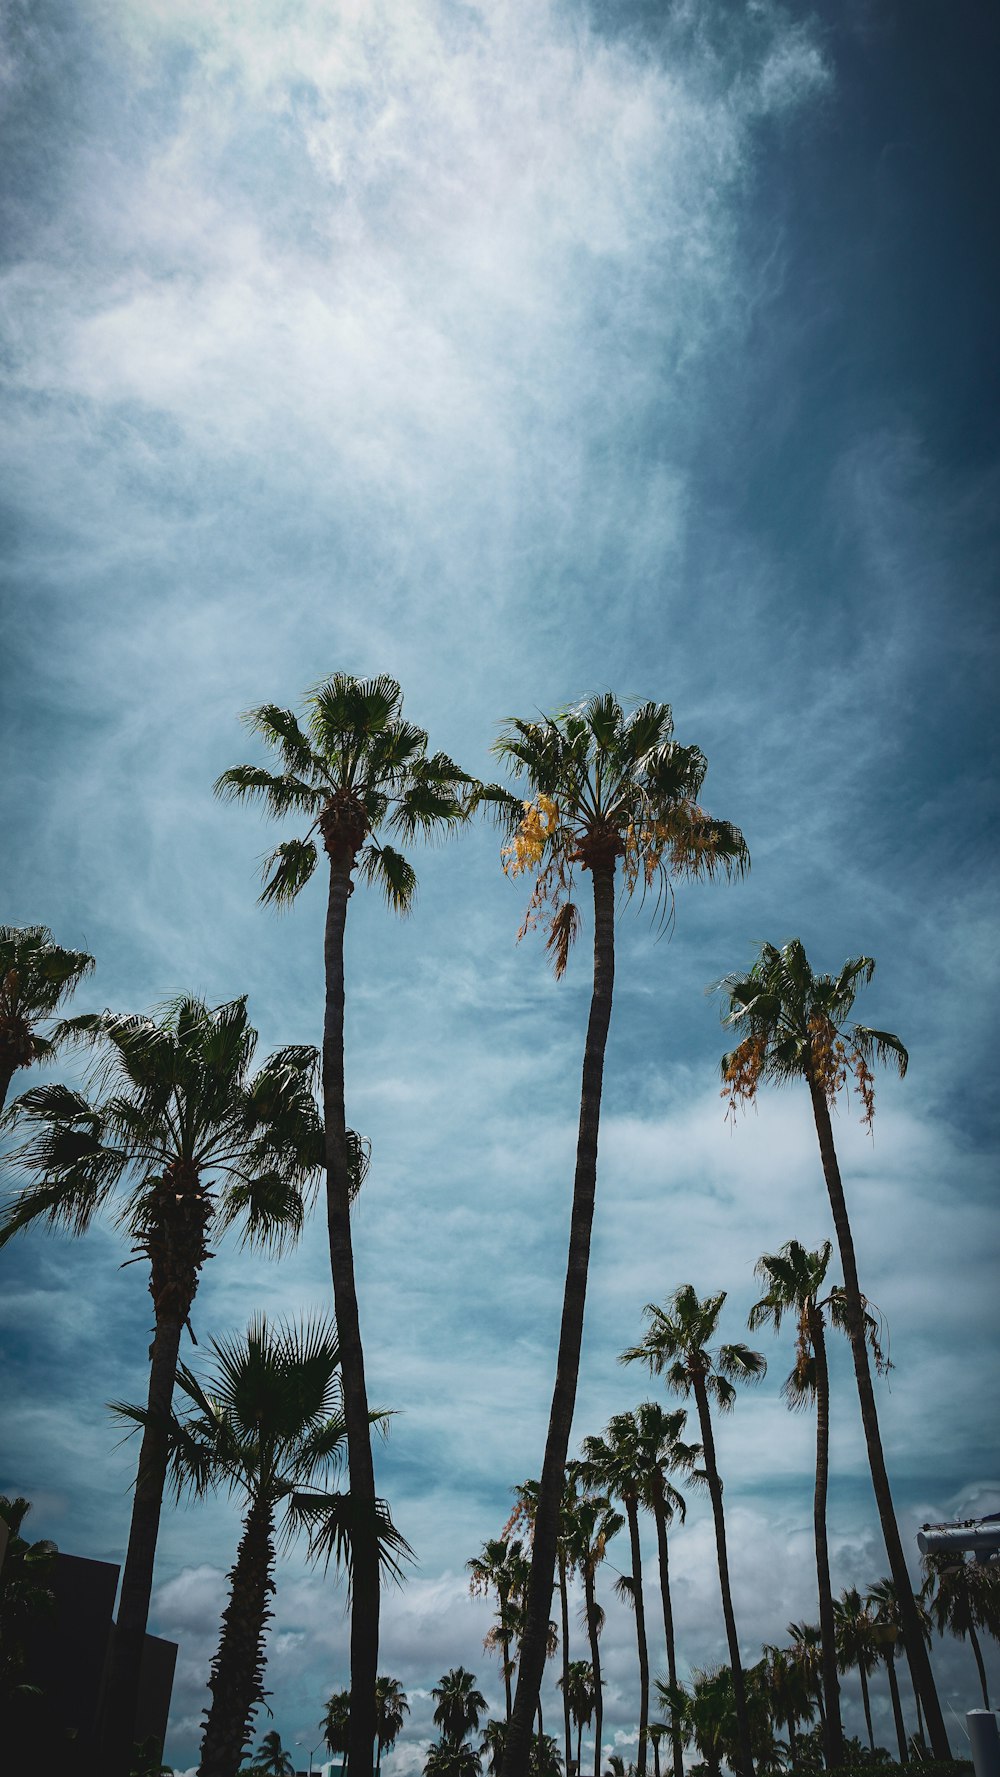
(880, 1045)
(285, 794)
(287, 870)
(391, 872)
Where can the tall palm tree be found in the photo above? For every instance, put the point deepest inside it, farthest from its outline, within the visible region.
(592, 1525)
(459, 1704)
(881, 1601)
(617, 1464)
(577, 1685)
(663, 1452)
(677, 1345)
(794, 1278)
(501, 1567)
(183, 1142)
(857, 1645)
(267, 1425)
(357, 771)
(963, 1596)
(602, 786)
(36, 976)
(796, 1025)
(391, 1708)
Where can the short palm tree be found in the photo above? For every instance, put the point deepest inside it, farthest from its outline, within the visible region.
(271, 1757)
(796, 1025)
(963, 1596)
(591, 1527)
(526, 1496)
(36, 976)
(391, 1710)
(183, 1141)
(788, 1693)
(794, 1278)
(677, 1345)
(459, 1704)
(857, 1645)
(601, 786)
(881, 1601)
(267, 1425)
(807, 1652)
(357, 772)
(656, 1733)
(336, 1720)
(501, 1567)
(577, 1684)
(452, 1758)
(664, 1452)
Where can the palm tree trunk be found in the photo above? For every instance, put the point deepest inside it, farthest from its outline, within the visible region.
(579, 1743)
(564, 1607)
(793, 1744)
(121, 1690)
(833, 1732)
(517, 1746)
(977, 1650)
(505, 1646)
(595, 1661)
(668, 1623)
(238, 1666)
(541, 1723)
(867, 1703)
(920, 1665)
(361, 1471)
(8, 1068)
(656, 1757)
(632, 1514)
(897, 1711)
(715, 1491)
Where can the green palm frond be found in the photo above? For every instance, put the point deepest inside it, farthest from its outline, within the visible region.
(281, 731)
(332, 1521)
(286, 871)
(388, 870)
(36, 973)
(880, 1045)
(280, 795)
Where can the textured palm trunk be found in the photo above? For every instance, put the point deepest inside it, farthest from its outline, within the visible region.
(715, 1492)
(977, 1650)
(121, 1690)
(916, 1650)
(595, 1661)
(541, 1722)
(793, 1744)
(505, 1645)
(656, 1758)
(8, 1068)
(663, 1554)
(897, 1710)
(236, 1681)
(517, 1748)
(579, 1742)
(564, 1609)
(866, 1700)
(361, 1471)
(642, 1646)
(833, 1732)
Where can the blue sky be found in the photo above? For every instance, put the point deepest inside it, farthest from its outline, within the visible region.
(521, 351)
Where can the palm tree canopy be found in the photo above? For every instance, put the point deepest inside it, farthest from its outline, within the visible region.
(359, 770)
(962, 1593)
(268, 1422)
(336, 1721)
(272, 1757)
(857, 1637)
(177, 1092)
(795, 1278)
(36, 976)
(459, 1704)
(605, 785)
(391, 1707)
(579, 1688)
(794, 1023)
(632, 1459)
(677, 1345)
(452, 1758)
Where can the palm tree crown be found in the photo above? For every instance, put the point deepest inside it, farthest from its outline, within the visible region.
(795, 1023)
(459, 1704)
(606, 785)
(676, 1345)
(358, 769)
(36, 975)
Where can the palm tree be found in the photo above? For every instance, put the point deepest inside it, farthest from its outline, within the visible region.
(452, 1758)
(807, 1652)
(655, 1732)
(36, 976)
(271, 1757)
(357, 771)
(602, 786)
(663, 1452)
(881, 1601)
(788, 1692)
(795, 1025)
(391, 1706)
(526, 1496)
(703, 1716)
(25, 1592)
(267, 1425)
(503, 1568)
(190, 1142)
(857, 1644)
(677, 1345)
(963, 1595)
(336, 1721)
(617, 1464)
(459, 1704)
(794, 1279)
(577, 1685)
(592, 1525)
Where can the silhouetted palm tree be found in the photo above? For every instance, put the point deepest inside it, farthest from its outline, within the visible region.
(36, 976)
(602, 785)
(459, 1704)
